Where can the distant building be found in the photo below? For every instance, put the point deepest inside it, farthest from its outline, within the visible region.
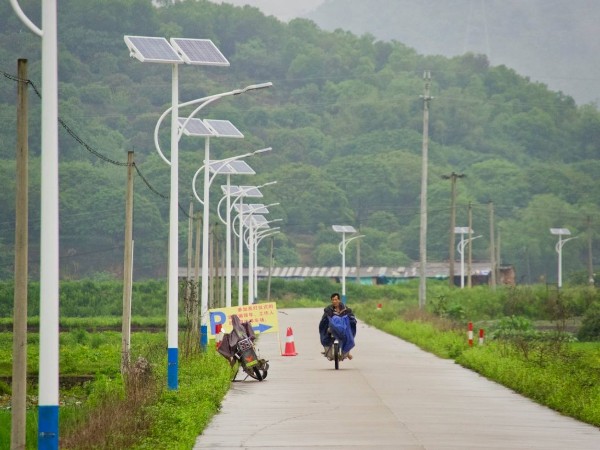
(373, 275)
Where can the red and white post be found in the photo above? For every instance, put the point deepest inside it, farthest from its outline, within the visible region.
(481, 336)
(470, 334)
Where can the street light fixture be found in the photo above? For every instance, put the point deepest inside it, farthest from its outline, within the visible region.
(342, 249)
(174, 52)
(239, 192)
(49, 235)
(231, 166)
(461, 249)
(254, 220)
(560, 232)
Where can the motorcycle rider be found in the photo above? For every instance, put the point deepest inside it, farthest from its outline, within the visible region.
(340, 321)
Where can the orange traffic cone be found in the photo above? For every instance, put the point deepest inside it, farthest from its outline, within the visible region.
(290, 348)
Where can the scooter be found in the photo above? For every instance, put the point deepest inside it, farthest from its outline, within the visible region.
(238, 348)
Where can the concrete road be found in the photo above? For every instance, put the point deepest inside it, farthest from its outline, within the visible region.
(390, 396)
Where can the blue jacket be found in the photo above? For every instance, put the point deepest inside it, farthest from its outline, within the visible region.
(343, 325)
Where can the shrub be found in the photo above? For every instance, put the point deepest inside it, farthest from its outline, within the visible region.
(590, 326)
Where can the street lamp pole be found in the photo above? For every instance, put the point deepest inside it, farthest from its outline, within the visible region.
(558, 247)
(461, 249)
(342, 249)
(49, 236)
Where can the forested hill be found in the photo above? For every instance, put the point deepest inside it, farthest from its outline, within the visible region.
(345, 121)
(552, 41)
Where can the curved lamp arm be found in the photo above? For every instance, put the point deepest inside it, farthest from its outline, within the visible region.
(342, 245)
(204, 102)
(25, 19)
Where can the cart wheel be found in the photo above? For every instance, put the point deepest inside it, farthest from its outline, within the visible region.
(336, 355)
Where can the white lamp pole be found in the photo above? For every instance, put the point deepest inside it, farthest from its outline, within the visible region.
(558, 247)
(254, 232)
(49, 237)
(205, 203)
(342, 249)
(461, 250)
(260, 235)
(240, 234)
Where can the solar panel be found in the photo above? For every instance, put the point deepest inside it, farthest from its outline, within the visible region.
(199, 52)
(242, 168)
(462, 230)
(220, 167)
(250, 191)
(343, 229)
(230, 168)
(560, 231)
(244, 191)
(229, 190)
(256, 220)
(152, 49)
(259, 208)
(223, 128)
(195, 127)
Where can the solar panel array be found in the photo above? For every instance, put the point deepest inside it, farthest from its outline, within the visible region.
(195, 127)
(223, 128)
(199, 52)
(344, 229)
(152, 49)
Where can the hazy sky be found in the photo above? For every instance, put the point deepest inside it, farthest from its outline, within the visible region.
(282, 9)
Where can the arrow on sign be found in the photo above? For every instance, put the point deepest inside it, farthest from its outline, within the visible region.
(261, 328)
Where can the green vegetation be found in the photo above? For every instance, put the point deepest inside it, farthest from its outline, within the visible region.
(101, 409)
(529, 347)
(344, 118)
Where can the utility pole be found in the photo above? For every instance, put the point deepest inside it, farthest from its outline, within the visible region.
(195, 316)
(492, 249)
(358, 260)
(270, 270)
(470, 257)
(188, 287)
(590, 260)
(19, 369)
(452, 177)
(498, 260)
(423, 227)
(127, 269)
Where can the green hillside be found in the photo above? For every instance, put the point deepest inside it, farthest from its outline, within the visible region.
(345, 122)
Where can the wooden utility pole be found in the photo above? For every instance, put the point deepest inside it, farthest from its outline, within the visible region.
(470, 254)
(188, 286)
(492, 249)
(451, 255)
(195, 313)
(19, 370)
(358, 261)
(423, 227)
(270, 270)
(590, 260)
(127, 268)
(211, 266)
